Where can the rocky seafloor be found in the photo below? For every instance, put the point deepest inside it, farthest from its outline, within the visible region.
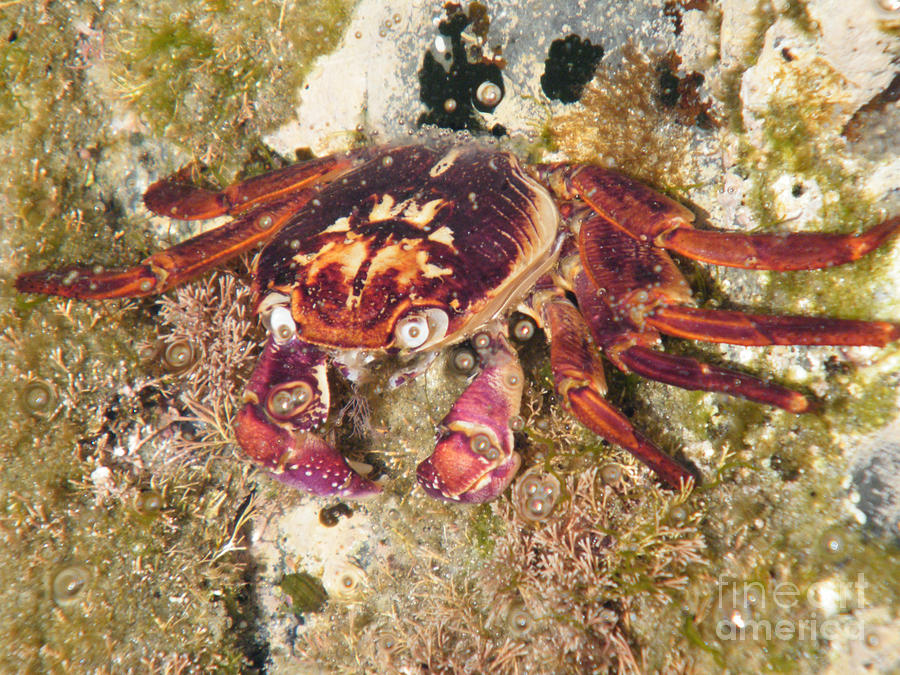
(135, 538)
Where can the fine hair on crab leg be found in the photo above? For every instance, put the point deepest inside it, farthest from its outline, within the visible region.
(474, 459)
(580, 383)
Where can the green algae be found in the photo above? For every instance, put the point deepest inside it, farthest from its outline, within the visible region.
(306, 592)
(77, 111)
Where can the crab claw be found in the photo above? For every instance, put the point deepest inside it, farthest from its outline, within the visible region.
(474, 460)
(300, 459)
(286, 399)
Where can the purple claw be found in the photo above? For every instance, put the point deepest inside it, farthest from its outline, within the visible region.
(286, 399)
(474, 460)
(300, 459)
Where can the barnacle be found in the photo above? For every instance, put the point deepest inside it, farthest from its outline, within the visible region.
(179, 356)
(344, 580)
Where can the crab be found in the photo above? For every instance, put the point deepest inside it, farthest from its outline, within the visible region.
(409, 249)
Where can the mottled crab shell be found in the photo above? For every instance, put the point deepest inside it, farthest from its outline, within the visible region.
(464, 230)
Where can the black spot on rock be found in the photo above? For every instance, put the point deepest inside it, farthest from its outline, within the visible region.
(449, 88)
(570, 65)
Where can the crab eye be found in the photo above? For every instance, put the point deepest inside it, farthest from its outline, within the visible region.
(282, 323)
(289, 400)
(412, 331)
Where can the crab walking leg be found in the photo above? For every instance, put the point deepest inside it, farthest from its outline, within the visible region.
(780, 252)
(650, 217)
(581, 385)
(178, 197)
(629, 350)
(166, 269)
(286, 400)
(642, 282)
(474, 459)
(264, 203)
(738, 328)
(638, 280)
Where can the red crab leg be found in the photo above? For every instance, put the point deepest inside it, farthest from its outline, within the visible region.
(166, 269)
(265, 203)
(579, 379)
(474, 459)
(651, 217)
(177, 197)
(781, 252)
(286, 399)
(638, 280)
(642, 282)
(738, 328)
(629, 348)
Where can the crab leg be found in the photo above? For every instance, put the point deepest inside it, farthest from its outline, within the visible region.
(474, 459)
(629, 348)
(581, 385)
(738, 328)
(638, 281)
(178, 197)
(651, 217)
(644, 283)
(286, 400)
(166, 269)
(263, 203)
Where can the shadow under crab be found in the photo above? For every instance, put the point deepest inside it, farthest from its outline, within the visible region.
(407, 249)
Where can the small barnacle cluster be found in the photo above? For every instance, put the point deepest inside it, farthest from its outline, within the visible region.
(535, 495)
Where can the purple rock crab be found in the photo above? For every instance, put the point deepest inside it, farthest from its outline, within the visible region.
(408, 249)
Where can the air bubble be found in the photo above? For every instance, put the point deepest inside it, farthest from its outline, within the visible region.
(519, 620)
(611, 474)
(524, 329)
(516, 423)
(149, 502)
(536, 495)
(178, 356)
(69, 585)
(481, 341)
(480, 444)
(289, 399)
(489, 94)
(264, 223)
(464, 360)
(38, 398)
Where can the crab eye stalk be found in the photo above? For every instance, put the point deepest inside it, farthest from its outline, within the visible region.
(411, 331)
(282, 324)
(289, 400)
